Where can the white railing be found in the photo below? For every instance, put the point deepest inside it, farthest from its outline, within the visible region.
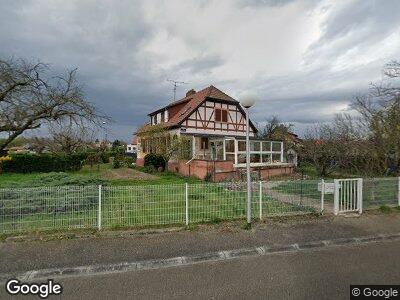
(69, 207)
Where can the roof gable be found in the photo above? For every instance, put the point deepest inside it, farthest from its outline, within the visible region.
(193, 101)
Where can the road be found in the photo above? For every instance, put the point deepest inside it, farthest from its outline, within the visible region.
(313, 274)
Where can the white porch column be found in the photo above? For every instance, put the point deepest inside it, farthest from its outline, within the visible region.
(223, 150)
(193, 146)
(236, 151)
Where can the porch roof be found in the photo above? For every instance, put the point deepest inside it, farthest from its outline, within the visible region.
(226, 136)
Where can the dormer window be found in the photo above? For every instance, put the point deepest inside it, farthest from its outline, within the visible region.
(221, 115)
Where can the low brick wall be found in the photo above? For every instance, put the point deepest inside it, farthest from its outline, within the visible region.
(223, 170)
(140, 162)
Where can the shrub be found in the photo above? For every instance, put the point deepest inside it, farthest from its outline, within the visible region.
(4, 159)
(148, 169)
(129, 161)
(105, 156)
(117, 163)
(28, 163)
(155, 160)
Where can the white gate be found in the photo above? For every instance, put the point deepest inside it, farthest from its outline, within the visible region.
(348, 195)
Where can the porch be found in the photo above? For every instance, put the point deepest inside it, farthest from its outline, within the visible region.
(233, 149)
(221, 158)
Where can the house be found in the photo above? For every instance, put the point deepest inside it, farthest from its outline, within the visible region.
(215, 125)
(131, 149)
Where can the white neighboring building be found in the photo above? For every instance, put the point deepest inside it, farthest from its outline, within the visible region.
(132, 148)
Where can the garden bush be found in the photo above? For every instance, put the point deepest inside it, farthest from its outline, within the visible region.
(157, 161)
(105, 156)
(129, 161)
(29, 163)
(117, 163)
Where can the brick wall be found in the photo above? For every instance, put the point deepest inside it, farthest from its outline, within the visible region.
(222, 170)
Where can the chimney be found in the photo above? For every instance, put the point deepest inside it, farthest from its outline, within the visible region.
(190, 92)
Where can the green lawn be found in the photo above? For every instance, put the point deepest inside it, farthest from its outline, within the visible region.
(52, 201)
(85, 176)
(129, 206)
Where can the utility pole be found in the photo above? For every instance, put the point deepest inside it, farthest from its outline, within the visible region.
(176, 83)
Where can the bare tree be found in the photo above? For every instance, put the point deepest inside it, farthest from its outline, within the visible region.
(68, 137)
(368, 143)
(274, 129)
(29, 97)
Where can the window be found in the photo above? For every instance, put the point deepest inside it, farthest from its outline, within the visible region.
(254, 146)
(162, 117)
(221, 115)
(242, 145)
(276, 157)
(224, 116)
(204, 143)
(266, 146)
(255, 158)
(217, 115)
(230, 146)
(260, 152)
(276, 146)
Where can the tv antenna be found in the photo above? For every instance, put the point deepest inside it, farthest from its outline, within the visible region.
(176, 84)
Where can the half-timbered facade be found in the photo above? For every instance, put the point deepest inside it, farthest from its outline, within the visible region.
(216, 126)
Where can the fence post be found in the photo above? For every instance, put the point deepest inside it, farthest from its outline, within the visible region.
(186, 204)
(322, 195)
(398, 191)
(360, 195)
(99, 212)
(260, 200)
(336, 197)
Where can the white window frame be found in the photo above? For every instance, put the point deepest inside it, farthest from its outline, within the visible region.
(260, 152)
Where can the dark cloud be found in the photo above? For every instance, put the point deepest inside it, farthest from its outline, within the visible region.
(306, 62)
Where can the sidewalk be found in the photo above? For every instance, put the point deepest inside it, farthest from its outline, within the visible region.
(132, 246)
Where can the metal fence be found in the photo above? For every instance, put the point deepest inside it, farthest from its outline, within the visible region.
(68, 207)
(381, 191)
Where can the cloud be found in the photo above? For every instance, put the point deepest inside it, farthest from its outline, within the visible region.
(305, 58)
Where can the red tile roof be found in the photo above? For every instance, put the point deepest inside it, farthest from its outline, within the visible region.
(192, 102)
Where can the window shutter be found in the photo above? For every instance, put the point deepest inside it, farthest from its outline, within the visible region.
(224, 116)
(217, 115)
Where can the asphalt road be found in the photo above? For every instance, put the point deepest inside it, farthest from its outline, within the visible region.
(314, 274)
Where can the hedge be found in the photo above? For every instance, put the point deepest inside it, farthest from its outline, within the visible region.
(28, 163)
(155, 160)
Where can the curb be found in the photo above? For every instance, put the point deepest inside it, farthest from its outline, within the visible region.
(193, 259)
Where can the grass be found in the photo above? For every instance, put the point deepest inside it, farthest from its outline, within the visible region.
(126, 203)
(122, 207)
(385, 209)
(376, 192)
(85, 176)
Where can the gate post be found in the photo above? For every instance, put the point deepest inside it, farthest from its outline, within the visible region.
(260, 200)
(360, 195)
(186, 204)
(322, 195)
(336, 197)
(398, 191)
(99, 210)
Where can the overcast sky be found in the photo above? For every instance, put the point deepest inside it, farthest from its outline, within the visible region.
(305, 59)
